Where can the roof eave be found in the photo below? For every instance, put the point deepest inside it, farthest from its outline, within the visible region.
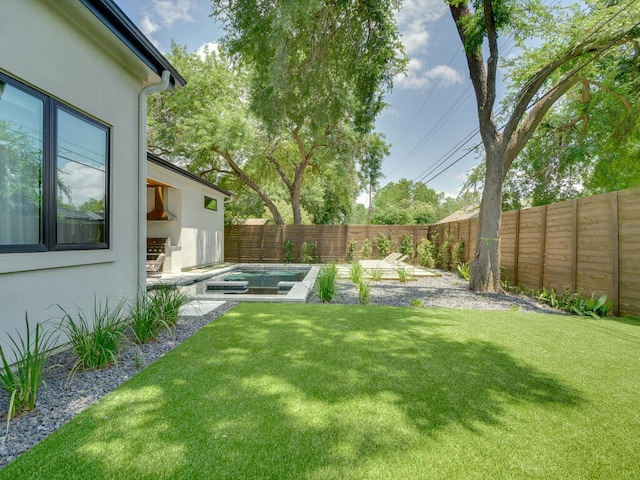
(185, 173)
(116, 21)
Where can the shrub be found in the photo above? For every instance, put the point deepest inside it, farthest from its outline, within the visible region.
(327, 282)
(383, 244)
(351, 254)
(166, 302)
(95, 338)
(425, 253)
(596, 307)
(404, 275)
(464, 270)
(145, 322)
(356, 272)
(365, 251)
(364, 291)
(443, 259)
(376, 273)
(308, 252)
(406, 246)
(23, 379)
(287, 246)
(458, 254)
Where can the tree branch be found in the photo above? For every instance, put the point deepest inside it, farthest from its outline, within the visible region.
(598, 47)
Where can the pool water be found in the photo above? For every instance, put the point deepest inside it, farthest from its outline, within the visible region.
(265, 278)
(257, 281)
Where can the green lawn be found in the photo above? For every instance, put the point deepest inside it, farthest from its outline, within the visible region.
(360, 392)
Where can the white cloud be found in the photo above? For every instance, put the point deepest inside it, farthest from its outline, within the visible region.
(148, 26)
(209, 47)
(417, 78)
(414, 19)
(168, 12)
(83, 183)
(163, 14)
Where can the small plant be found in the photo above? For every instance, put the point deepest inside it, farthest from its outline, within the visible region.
(364, 291)
(549, 297)
(464, 270)
(356, 272)
(376, 273)
(351, 254)
(365, 251)
(458, 254)
(514, 308)
(404, 275)
(308, 252)
(327, 282)
(596, 307)
(166, 302)
(383, 244)
(425, 253)
(416, 302)
(443, 259)
(288, 251)
(406, 246)
(23, 379)
(145, 322)
(95, 338)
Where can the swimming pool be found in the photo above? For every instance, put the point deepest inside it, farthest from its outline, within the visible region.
(258, 283)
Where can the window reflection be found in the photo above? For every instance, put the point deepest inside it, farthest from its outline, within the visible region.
(21, 159)
(81, 180)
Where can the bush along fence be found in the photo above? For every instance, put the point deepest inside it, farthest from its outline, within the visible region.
(589, 245)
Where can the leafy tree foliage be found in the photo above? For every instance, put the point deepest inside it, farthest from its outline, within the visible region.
(319, 71)
(572, 41)
(412, 203)
(208, 127)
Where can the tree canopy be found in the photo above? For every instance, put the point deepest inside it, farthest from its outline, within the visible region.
(572, 41)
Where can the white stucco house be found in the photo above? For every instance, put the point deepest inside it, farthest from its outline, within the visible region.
(185, 217)
(74, 77)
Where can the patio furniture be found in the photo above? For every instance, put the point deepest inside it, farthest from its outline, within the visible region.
(154, 266)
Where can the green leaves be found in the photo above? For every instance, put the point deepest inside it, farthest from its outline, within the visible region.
(315, 62)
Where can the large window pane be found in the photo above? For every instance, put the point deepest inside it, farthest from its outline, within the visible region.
(21, 160)
(81, 180)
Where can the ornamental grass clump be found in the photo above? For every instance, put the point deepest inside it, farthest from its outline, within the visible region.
(364, 292)
(356, 272)
(97, 337)
(23, 379)
(166, 302)
(145, 322)
(327, 282)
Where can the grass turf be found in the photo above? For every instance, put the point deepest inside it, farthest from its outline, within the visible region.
(353, 392)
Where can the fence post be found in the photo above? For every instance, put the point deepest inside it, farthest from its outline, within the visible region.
(574, 249)
(516, 250)
(615, 246)
(543, 240)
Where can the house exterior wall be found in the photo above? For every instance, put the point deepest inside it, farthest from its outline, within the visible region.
(47, 46)
(197, 235)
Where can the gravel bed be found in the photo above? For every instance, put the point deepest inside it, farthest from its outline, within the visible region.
(62, 397)
(446, 290)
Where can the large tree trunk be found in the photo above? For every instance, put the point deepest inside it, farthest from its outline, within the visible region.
(485, 268)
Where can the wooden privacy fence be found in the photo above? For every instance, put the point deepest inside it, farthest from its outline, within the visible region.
(590, 244)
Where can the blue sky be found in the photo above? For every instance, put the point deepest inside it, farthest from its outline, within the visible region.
(431, 109)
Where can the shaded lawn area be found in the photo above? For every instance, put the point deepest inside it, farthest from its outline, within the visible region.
(359, 392)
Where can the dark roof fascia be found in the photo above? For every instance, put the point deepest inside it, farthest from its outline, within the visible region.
(181, 171)
(116, 21)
